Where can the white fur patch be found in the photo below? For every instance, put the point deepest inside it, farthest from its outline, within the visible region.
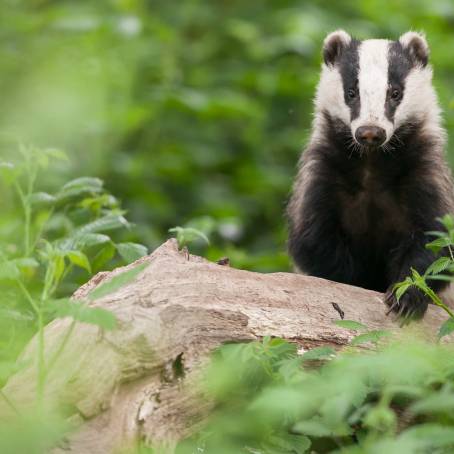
(373, 86)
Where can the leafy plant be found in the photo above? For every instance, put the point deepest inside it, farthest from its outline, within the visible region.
(269, 399)
(441, 269)
(56, 240)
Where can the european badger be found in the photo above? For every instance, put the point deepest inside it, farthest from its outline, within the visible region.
(373, 178)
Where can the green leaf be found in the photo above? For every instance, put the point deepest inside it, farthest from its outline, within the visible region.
(9, 270)
(318, 353)
(91, 239)
(82, 313)
(402, 287)
(371, 336)
(103, 256)
(439, 265)
(446, 328)
(438, 244)
(313, 427)
(79, 259)
(130, 252)
(80, 186)
(436, 403)
(430, 436)
(350, 324)
(56, 153)
(116, 282)
(41, 198)
(106, 223)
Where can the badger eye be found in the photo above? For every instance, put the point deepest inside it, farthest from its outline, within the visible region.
(351, 93)
(395, 94)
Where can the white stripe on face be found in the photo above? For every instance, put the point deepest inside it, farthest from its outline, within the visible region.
(373, 86)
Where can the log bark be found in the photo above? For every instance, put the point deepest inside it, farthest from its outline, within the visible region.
(137, 381)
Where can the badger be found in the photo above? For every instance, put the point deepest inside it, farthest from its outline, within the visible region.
(373, 179)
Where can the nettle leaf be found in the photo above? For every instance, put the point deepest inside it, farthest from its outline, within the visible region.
(402, 287)
(79, 259)
(438, 244)
(106, 223)
(42, 198)
(318, 353)
(116, 282)
(371, 336)
(350, 324)
(79, 186)
(446, 328)
(439, 265)
(82, 313)
(130, 252)
(92, 239)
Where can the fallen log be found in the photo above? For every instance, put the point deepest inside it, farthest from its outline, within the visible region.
(131, 383)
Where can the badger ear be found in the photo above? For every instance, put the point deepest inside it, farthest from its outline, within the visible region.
(417, 47)
(333, 46)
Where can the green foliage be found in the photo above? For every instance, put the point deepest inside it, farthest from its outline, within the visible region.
(268, 399)
(442, 269)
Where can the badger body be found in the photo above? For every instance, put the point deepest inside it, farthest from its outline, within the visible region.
(373, 179)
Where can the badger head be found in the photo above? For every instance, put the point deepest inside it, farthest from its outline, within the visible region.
(376, 86)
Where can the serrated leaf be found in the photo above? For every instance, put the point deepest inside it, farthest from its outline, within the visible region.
(91, 239)
(130, 252)
(446, 328)
(439, 243)
(79, 186)
(41, 198)
(106, 223)
(79, 259)
(371, 336)
(441, 264)
(350, 324)
(401, 289)
(116, 282)
(318, 353)
(82, 313)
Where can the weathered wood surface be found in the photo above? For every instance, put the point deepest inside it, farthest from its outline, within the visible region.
(132, 383)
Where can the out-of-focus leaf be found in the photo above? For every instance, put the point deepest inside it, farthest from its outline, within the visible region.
(82, 313)
(116, 282)
(79, 259)
(130, 252)
(318, 353)
(446, 328)
(350, 324)
(371, 336)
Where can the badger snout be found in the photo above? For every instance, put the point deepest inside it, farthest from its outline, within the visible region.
(372, 136)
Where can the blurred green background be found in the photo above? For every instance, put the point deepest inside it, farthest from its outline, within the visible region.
(193, 112)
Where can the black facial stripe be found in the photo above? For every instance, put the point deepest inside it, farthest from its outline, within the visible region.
(399, 65)
(349, 68)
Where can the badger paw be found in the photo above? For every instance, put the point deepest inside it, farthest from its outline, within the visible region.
(411, 306)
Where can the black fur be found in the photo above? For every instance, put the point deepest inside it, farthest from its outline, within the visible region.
(400, 64)
(348, 63)
(366, 214)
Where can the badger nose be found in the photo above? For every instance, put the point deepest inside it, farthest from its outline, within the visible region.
(370, 135)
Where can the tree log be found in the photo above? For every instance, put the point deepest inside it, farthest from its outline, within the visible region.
(133, 383)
